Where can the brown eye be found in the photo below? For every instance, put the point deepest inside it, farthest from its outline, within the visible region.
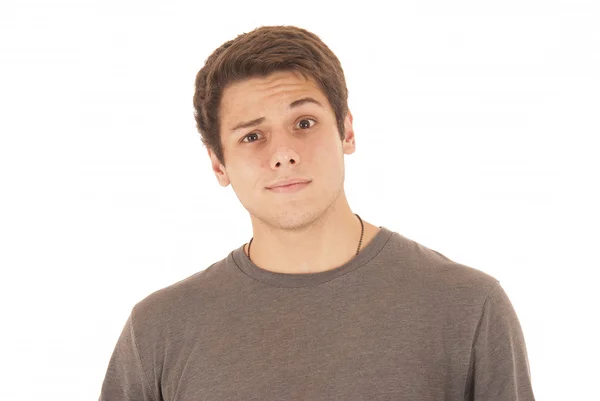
(303, 123)
(249, 135)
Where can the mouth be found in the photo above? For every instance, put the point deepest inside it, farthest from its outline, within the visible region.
(290, 188)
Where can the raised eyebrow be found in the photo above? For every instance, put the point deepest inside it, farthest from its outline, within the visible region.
(248, 124)
(295, 103)
(300, 102)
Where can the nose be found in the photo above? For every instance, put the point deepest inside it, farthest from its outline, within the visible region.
(284, 156)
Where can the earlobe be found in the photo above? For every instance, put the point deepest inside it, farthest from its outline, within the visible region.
(218, 169)
(223, 180)
(221, 175)
(349, 144)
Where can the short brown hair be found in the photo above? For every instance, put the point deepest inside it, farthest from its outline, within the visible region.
(258, 53)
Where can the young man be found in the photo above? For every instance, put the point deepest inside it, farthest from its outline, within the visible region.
(319, 304)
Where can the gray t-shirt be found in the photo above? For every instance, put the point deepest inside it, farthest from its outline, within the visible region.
(399, 321)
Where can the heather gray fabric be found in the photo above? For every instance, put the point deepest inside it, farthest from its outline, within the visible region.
(397, 322)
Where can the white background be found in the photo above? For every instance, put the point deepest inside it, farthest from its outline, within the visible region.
(476, 121)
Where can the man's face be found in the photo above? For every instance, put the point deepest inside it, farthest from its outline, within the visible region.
(290, 142)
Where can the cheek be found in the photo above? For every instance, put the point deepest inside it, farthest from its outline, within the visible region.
(327, 151)
(327, 162)
(248, 176)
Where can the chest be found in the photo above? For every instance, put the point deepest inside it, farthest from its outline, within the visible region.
(312, 353)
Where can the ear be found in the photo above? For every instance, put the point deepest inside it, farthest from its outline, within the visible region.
(218, 169)
(349, 143)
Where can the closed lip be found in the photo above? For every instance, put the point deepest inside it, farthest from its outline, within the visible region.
(287, 181)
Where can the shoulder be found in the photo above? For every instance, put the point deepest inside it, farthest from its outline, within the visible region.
(175, 303)
(437, 274)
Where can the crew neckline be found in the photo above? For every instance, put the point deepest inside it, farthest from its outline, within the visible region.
(277, 279)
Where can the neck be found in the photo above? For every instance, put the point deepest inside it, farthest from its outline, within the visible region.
(301, 244)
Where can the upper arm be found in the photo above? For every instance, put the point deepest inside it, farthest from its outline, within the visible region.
(499, 366)
(125, 377)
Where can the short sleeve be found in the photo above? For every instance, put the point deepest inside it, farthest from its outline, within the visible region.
(499, 366)
(125, 378)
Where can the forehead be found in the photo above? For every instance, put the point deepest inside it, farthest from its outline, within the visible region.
(280, 86)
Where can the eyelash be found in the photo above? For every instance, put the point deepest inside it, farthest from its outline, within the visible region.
(302, 119)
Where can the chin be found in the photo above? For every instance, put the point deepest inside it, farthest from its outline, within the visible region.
(288, 219)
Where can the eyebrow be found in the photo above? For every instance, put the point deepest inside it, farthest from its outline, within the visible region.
(295, 103)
